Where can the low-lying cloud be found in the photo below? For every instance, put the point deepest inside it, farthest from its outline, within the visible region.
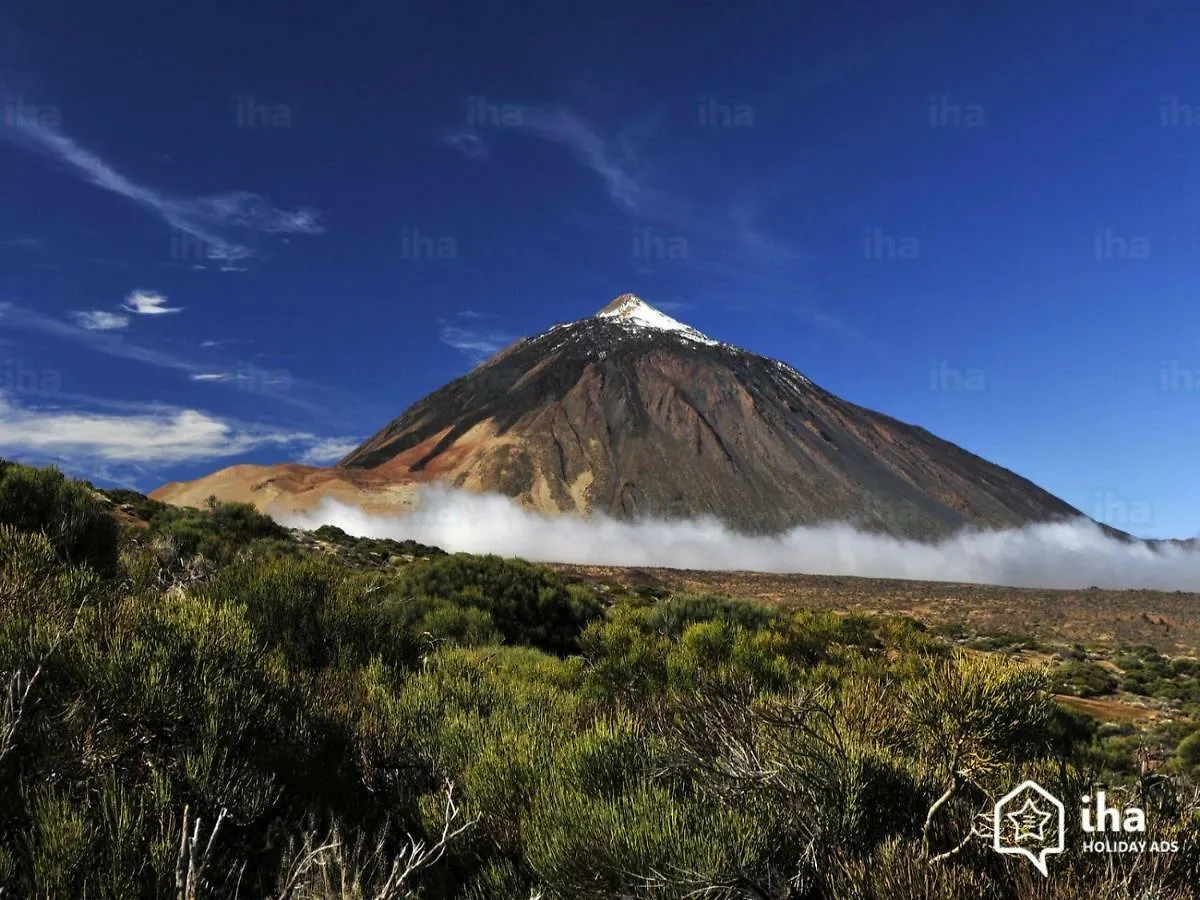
(1074, 554)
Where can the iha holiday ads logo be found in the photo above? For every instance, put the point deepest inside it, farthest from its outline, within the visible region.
(1029, 821)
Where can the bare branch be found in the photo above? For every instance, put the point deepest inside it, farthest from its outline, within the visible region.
(191, 862)
(375, 877)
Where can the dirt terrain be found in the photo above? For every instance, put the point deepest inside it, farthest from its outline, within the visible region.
(290, 487)
(1168, 621)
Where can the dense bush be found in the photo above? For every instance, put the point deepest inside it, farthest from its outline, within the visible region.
(1147, 672)
(1084, 679)
(372, 552)
(219, 532)
(1188, 752)
(529, 604)
(69, 513)
(137, 505)
(673, 614)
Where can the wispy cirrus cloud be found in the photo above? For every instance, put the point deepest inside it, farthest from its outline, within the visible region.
(242, 209)
(726, 229)
(612, 160)
(476, 344)
(148, 303)
(467, 143)
(203, 218)
(275, 385)
(99, 320)
(328, 450)
(625, 161)
(23, 243)
(729, 244)
(155, 436)
(250, 378)
(102, 341)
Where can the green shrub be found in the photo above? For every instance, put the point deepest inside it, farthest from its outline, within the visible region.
(372, 552)
(1188, 752)
(1010, 641)
(528, 604)
(219, 532)
(73, 518)
(1083, 679)
(138, 505)
(638, 844)
(674, 614)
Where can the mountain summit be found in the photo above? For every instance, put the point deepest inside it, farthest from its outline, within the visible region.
(633, 414)
(634, 312)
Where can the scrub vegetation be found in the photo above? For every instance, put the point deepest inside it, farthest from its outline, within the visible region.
(201, 703)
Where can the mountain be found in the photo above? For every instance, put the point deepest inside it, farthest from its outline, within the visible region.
(632, 414)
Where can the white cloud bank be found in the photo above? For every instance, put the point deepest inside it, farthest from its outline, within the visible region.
(1074, 554)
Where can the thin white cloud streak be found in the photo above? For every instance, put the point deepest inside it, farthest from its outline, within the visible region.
(628, 184)
(23, 243)
(475, 345)
(108, 343)
(199, 217)
(739, 246)
(242, 209)
(468, 143)
(329, 450)
(1075, 554)
(148, 303)
(158, 437)
(99, 320)
(615, 167)
(276, 390)
(726, 241)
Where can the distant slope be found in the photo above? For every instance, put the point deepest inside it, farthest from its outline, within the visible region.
(290, 487)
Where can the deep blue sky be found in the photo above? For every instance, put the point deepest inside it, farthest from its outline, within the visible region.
(981, 221)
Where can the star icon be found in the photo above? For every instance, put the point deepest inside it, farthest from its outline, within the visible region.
(1029, 822)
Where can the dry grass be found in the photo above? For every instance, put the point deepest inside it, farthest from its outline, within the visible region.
(1109, 710)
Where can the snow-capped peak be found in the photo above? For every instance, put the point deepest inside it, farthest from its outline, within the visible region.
(633, 311)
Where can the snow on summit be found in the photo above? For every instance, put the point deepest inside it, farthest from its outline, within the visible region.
(631, 310)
